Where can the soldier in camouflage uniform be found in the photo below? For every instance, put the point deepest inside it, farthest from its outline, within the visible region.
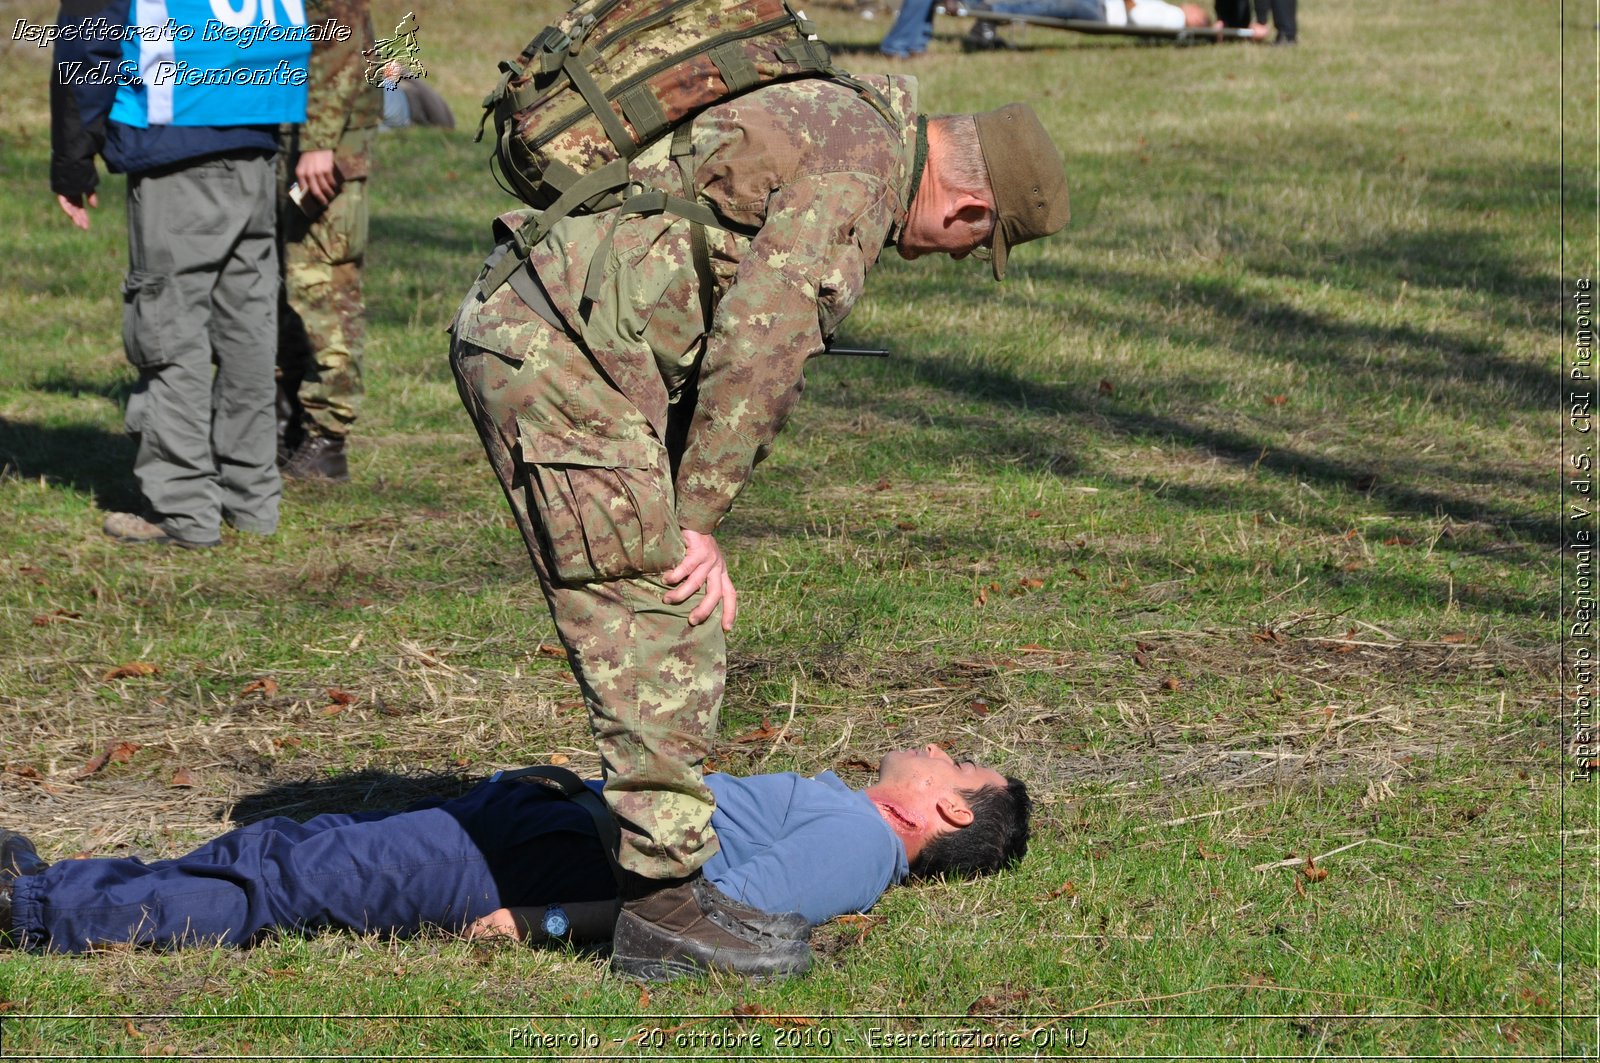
(623, 429)
(323, 240)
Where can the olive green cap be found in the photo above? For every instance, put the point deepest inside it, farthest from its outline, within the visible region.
(1026, 175)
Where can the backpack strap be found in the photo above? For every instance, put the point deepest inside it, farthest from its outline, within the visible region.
(577, 791)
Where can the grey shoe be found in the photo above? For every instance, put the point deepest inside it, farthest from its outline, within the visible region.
(133, 530)
(670, 933)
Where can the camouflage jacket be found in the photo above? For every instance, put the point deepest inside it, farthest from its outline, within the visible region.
(343, 108)
(822, 180)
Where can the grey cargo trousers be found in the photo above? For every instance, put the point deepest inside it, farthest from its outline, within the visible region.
(200, 323)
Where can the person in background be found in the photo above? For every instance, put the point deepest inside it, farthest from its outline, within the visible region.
(200, 299)
(323, 219)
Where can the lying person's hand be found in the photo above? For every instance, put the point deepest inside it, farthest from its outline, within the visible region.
(499, 923)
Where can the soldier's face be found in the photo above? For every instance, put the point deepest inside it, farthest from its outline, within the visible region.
(958, 239)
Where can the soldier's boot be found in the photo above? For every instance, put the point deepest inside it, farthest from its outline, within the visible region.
(320, 458)
(18, 857)
(682, 928)
(789, 926)
(291, 430)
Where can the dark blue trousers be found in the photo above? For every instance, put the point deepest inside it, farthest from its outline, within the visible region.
(502, 844)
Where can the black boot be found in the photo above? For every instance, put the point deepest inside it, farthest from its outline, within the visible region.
(681, 929)
(983, 38)
(291, 427)
(320, 458)
(18, 857)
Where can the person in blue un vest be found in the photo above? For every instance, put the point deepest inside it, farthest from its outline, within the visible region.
(184, 97)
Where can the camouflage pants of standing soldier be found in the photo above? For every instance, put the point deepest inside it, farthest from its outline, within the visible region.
(322, 320)
(591, 488)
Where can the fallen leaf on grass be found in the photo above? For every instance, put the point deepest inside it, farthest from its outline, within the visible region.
(182, 777)
(865, 922)
(1456, 637)
(760, 734)
(1277, 400)
(979, 706)
(1266, 634)
(991, 1002)
(340, 697)
(1353, 566)
(1035, 514)
(131, 670)
(1066, 889)
(46, 619)
(551, 651)
(120, 753)
(1312, 872)
(559, 758)
(1141, 660)
(905, 525)
(644, 998)
(1144, 647)
(1080, 573)
(1171, 683)
(1107, 388)
(1031, 584)
(857, 764)
(131, 1029)
(1398, 540)
(266, 685)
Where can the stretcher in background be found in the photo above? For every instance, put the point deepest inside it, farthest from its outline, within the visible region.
(1180, 35)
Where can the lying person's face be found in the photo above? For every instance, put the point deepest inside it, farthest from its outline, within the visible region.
(1195, 17)
(930, 770)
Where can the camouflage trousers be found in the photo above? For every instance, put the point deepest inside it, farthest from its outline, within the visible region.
(591, 488)
(322, 320)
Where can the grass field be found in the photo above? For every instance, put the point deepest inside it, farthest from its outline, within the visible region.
(1229, 521)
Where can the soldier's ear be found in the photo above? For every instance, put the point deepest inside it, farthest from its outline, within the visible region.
(970, 209)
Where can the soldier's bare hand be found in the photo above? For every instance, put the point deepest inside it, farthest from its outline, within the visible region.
(316, 176)
(76, 210)
(703, 566)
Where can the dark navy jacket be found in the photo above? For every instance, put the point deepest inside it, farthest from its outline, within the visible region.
(80, 127)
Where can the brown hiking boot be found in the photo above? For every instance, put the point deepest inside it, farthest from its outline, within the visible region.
(731, 915)
(671, 933)
(134, 530)
(318, 457)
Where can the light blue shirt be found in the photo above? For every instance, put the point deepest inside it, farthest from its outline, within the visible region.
(793, 844)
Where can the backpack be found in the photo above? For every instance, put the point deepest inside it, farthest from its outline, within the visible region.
(612, 77)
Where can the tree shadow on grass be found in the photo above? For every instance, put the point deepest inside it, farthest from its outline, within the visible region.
(368, 790)
(83, 457)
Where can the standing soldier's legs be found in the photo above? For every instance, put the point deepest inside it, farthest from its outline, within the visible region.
(322, 329)
(591, 490)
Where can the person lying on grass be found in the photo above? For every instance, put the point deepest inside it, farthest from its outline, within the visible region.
(507, 857)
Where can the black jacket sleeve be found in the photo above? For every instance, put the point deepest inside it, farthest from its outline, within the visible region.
(78, 112)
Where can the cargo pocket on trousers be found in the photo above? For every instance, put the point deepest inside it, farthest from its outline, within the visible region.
(149, 312)
(605, 505)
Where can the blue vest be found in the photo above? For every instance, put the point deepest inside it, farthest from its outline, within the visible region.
(213, 63)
